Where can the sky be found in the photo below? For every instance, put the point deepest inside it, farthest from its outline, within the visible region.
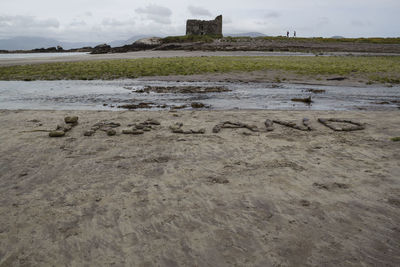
(107, 20)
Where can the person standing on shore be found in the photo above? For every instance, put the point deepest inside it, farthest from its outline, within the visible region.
(294, 34)
(287, 34)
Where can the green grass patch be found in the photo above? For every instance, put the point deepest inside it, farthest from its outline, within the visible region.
(374, 40)
(376, 69)
(396, 139)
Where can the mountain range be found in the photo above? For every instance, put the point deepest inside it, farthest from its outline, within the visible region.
(32, 42)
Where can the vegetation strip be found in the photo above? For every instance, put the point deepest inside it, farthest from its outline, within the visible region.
(377, 69)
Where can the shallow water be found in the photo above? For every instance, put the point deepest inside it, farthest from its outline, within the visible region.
(108, 95)
(39, 55)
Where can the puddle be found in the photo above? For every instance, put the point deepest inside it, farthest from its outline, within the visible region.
(108, 95)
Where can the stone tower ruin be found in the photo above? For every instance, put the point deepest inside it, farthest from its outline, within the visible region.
(204, 27)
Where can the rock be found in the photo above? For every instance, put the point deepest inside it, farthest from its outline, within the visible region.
(336, 79)
(132, 131)
(71, 119)
(101, 49)
(64, 127)
(89, 133)
(56, 133)
(305, 203)
(197, 105)
(305, 127)
(152, 122)
(146, 129)
(306, 100)
(355, 126)
(127, 131)
(137, 106)
(227, 124)
(316, 91)
(149, 41)
(137, 132)
(269, 125)
(111, 132)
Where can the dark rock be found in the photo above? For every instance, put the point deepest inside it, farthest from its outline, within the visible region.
(152, 122)
(197, 105)
(101, 49)
(269, 125)
(356, 126)
(111, 132)
(337, 79)
(56, 133)
(316, 91)
(304, 100)
(305, 203)
(71, 119)
(137, 106)
(89, 133)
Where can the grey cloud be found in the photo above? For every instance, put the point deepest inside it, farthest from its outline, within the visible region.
(27, 22)
(199, 11)
(272, 15)
(359, 23)
(112, 22)
(322, 21)
(76, 23)
(158, 14)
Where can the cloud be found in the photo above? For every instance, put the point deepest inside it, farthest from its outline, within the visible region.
(323, 21)
(112, 22)
(272, 15)
(158, 14)
(27, 22)
(78, 23)
(199, 11)
(359, 23)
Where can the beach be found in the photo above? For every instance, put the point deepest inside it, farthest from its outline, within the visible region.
(236, 197)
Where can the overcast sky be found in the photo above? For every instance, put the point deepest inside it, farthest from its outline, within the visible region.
(106, 20)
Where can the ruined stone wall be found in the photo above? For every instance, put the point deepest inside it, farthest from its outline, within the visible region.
(204, 27)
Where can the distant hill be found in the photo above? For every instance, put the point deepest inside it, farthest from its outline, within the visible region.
(29, 42)
(337, 37)
(246, 34)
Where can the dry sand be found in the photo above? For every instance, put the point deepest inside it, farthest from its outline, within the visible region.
(235, 198)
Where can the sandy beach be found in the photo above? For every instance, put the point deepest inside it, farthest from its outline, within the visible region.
(233, 198)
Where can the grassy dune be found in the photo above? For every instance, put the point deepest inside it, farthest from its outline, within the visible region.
(376, 69)
(210, 38)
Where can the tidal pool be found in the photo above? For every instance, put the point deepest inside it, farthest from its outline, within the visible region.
(108, 95)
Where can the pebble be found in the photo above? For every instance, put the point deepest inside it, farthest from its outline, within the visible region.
(56, 133)
(111, 132)
(71, 119)
(89, 133)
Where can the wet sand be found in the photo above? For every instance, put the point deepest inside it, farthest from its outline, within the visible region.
(233, 198)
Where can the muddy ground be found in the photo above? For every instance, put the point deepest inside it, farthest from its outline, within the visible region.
(233, 198)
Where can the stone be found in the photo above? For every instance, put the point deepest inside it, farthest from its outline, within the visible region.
(101, 49)
(197, 105)
(64, 127)
(111, 132)
(89, 133)
(354, 126)
(152, 122)
(71, 119)
(269, 125)
(132, 131)
(56, 133)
